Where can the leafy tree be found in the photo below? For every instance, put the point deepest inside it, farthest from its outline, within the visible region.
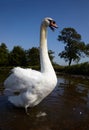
(20, 57)
(3, 55)
(87, 50)
(32, 56)
(74, 47)
(17, 57)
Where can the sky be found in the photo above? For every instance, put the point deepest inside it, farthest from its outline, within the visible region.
(20, 22)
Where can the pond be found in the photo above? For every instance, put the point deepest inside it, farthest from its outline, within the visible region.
(66, 108)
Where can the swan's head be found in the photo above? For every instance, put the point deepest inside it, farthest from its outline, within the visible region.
(49, 22)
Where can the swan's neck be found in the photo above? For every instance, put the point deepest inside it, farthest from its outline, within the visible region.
(46, 65)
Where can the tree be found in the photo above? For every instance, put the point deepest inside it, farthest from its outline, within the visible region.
(87, 50)
(17, 57)
(74, 47)
(33, 57)
(3, 55)
(20, 57)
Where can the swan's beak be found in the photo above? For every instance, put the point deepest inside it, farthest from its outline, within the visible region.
(53, 25)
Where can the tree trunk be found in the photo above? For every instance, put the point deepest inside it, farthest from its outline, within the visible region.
(70, 60)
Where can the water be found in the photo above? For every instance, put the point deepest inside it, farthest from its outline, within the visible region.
(66, 108)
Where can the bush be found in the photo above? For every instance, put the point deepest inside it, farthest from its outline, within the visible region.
(79, 69)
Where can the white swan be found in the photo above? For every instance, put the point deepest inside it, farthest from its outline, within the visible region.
(33, 86)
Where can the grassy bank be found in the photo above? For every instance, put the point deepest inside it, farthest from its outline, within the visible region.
(79, 69)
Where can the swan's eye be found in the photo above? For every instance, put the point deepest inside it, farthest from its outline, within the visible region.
(54, 22)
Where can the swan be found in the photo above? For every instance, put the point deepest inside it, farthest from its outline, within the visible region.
(27, 87)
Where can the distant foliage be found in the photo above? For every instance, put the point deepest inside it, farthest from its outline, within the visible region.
(79, 69)
(20, 57)
(32, 56)
(74, 47)
(17, 57)
(4, 53)
(87, 50)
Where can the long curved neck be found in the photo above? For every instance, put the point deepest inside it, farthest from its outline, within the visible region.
(46, 65)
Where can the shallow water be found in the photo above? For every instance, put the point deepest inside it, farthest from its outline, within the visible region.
(66, 108)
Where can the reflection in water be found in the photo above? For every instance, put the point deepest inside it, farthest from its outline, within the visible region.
(66, 108)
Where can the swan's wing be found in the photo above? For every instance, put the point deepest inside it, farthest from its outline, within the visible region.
(22, 79)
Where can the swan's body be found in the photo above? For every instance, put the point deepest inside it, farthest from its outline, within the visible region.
(32, 86)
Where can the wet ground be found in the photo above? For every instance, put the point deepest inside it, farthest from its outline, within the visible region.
(66, 108)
